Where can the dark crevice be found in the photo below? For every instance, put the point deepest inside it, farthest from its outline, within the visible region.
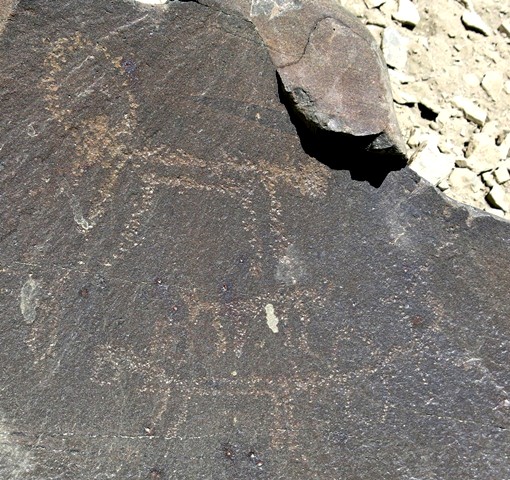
(340, 151)
(427, 113)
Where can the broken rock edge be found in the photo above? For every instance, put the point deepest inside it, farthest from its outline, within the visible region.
(380, 144)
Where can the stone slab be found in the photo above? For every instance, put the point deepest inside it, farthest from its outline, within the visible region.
(187, 294)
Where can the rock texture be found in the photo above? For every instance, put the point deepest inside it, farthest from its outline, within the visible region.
(187, 294)
(330, 67)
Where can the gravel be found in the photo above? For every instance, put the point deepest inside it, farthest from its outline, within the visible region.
(449, 65)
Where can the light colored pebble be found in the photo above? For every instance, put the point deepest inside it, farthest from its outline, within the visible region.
(356, 7)
(395, 48)
(443, 185)
(501, 175)
(488, 179)
(495, 211)
(467, 187)
(407, 13)
(417, 138)
(376, 17)
(401, 96)
(492, 83)
(376, 32)
(389, 7)
(401, 77)
(430, 163)
(492, 129)
(504, 28)
(431, 104)
(482, 154)
(504, 146)
(473, 21)
(471, 79)
(498, 197)
(471, 111)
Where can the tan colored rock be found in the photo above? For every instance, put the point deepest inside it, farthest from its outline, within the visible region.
(356, 7)
(471, 79)
(496, 211)
(395, 48)
(401, 77)
(407, 14)
(443, 185)
(492, 129)
(493, 82)
(389, 7)
(401, 96)
(473, 21)
(488, 179)
(467, 187)
(377, 33)
(504, 145)
(430, 163)
(482, 154)
(501, 175)
(471, 111)
(376, 17)
(499, 197)
(504, 28)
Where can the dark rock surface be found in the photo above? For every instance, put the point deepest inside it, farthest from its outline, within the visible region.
(159, 221)
(331, 69)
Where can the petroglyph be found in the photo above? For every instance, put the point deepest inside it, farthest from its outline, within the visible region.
(103, 143)
(230, 330)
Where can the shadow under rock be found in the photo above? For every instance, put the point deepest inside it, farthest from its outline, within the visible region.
(340, 151)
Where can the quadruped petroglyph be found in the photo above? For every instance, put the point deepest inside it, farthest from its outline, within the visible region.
(186, 293)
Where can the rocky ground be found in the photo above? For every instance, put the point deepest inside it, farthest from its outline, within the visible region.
(450, 69)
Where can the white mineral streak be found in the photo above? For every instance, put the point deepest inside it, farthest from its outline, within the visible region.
(272, 319)
(29, 299)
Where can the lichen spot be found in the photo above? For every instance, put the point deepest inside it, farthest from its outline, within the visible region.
(271, 318)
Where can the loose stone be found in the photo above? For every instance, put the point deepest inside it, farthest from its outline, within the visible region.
(499, 198)
(492, 83)
(473, 21)
(471, 79)
(471, 111)
(504, 28)
(482, 154)
(407, 14)
(395, 48)
(488, 179)
(430, 163)
(467, 186)
(501, 175)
